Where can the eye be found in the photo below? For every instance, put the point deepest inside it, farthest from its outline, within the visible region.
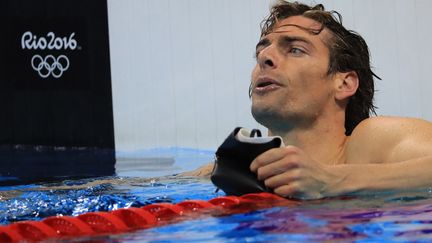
(296, 51)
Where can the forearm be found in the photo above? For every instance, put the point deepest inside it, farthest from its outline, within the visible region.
(203, 171)
(410, 174)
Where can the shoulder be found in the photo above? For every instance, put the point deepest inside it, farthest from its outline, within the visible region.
(392, 127)
(381, 136)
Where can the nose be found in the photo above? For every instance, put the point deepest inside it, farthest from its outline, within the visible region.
(267, 58)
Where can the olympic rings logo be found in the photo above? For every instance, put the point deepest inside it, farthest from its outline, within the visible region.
(50, 65)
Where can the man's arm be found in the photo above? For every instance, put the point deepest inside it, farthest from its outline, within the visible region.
(203, 171)
(383, 154)
(400, 156)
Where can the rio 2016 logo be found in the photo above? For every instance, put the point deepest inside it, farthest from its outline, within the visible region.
(49, 65)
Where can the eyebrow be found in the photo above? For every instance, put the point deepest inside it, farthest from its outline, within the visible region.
(262, 43)
(284, 40)
(290, 39)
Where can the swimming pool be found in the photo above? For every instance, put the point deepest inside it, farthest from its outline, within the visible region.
(385, 217)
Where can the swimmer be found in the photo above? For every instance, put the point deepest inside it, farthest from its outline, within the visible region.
(313, 86)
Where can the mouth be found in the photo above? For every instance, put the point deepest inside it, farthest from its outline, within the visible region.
(264, 85)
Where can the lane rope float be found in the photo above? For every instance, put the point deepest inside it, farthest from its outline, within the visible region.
(129, 219)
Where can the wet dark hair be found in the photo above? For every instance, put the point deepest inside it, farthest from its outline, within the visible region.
(348, 52)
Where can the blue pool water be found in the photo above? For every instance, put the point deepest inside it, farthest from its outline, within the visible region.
(403, 216)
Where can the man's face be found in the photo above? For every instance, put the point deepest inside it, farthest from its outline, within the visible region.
(290, 81)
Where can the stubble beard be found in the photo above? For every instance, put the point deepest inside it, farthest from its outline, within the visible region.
(280, 121)
(271, 118)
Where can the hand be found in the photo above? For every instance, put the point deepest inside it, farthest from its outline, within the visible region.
(291, 173)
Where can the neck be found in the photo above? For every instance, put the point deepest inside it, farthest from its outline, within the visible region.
(323, 141)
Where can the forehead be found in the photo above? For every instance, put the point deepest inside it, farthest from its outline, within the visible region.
(298, 20)
(298, 26)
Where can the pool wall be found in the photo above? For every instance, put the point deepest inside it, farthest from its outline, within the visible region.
(181, 69)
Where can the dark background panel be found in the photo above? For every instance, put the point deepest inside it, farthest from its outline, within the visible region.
(55, 121)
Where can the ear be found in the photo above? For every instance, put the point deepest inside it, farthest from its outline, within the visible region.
(346, 84)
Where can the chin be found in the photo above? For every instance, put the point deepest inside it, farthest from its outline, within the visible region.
(265, 115)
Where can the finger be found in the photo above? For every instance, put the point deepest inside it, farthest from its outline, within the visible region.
(270, 156)
(294, 190)
(282, 179)
(288, 191)
(265, 158)
(278, 167)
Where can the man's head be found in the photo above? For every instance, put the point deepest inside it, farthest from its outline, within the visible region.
(347, 52)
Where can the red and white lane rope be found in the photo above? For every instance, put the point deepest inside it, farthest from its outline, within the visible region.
(129, 219)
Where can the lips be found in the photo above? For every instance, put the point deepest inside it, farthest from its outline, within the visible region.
(264, 85)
